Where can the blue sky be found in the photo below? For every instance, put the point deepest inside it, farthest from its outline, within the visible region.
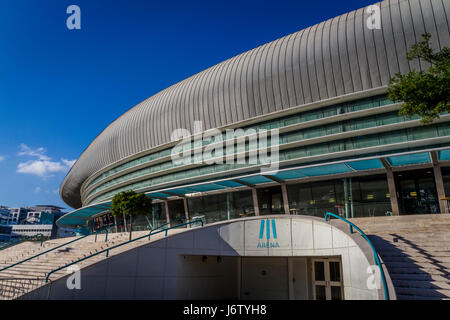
(60, 88)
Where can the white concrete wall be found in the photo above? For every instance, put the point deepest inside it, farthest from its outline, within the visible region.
(155, 271)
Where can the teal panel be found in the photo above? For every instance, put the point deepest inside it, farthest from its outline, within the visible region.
(206, 187)
(366, 164)
(444, 155)
(286, 175)
(324, 170)
(408, 159)
(158, 195)
(180, 191)
(256, 179)
(229, 183)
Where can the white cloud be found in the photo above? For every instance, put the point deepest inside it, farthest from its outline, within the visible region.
(2, 158)
(37, 189)
(68, 163)
(43, 166)
(27, 151)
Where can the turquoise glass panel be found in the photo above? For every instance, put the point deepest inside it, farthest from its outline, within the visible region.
(444, 155)
(255, 179)
(158, 195)
(366, 164)
(286, 175)
(408, 159)
(206, 187)
(324, 170)
(229, 183)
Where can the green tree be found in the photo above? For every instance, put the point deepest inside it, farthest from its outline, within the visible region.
(424, 93)
(129, 203)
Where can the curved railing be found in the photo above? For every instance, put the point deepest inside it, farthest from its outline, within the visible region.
(375, 254)
(26, 238)
(62, 245)
(124, 243)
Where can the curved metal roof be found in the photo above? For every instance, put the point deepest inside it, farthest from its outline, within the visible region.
(336, 57)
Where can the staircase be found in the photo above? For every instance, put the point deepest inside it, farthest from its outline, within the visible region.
(416, 252)
(25, 277)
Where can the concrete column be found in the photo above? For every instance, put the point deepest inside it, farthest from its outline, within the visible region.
(346, 198)
(166, 205)
(255, 201)
(285, 198)
(439, 182)
(186, 211)
(391, 185)
(228, 206)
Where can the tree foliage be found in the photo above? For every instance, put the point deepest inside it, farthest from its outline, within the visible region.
(424, 93)
(129, 203)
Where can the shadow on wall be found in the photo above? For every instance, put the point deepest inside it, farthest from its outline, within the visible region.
(415, 271)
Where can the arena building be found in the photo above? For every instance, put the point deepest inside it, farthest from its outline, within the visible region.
(316, 103)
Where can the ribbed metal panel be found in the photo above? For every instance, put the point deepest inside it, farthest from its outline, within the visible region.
(335, 57)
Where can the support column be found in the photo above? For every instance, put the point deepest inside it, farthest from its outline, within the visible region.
(391, 185)
(166, 205)
(346, 198)
(228, 206)
(255, 201)
(285, 198)
(186, 211)
(439, 182)
(351, 199)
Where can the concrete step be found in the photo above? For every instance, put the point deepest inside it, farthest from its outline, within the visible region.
(432, 247)
(424, 265)
(394, 271)
(409, 297)
(422, 284)
(420, 277)
(416, 259)
(397, 253)
(423, 292)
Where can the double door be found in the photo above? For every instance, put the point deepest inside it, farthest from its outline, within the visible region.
(327, 279)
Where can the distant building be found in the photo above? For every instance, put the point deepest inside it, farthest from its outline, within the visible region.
(31, 221)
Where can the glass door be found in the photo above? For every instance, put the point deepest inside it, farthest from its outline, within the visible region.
(417, 192)
(327, 279)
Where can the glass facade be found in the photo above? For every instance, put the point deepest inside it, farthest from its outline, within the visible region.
(220, 207)
(348, 197)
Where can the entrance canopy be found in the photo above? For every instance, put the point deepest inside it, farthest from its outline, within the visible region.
(375, 163)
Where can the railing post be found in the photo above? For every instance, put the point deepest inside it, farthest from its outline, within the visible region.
(42, 239)
(106, 237)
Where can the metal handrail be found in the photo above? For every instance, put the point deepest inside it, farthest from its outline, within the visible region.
(26, 238)
(124, 243)
(57, 247)
(375, 254)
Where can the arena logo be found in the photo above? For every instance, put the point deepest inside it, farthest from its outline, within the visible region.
(268, 243)
(258, 147)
